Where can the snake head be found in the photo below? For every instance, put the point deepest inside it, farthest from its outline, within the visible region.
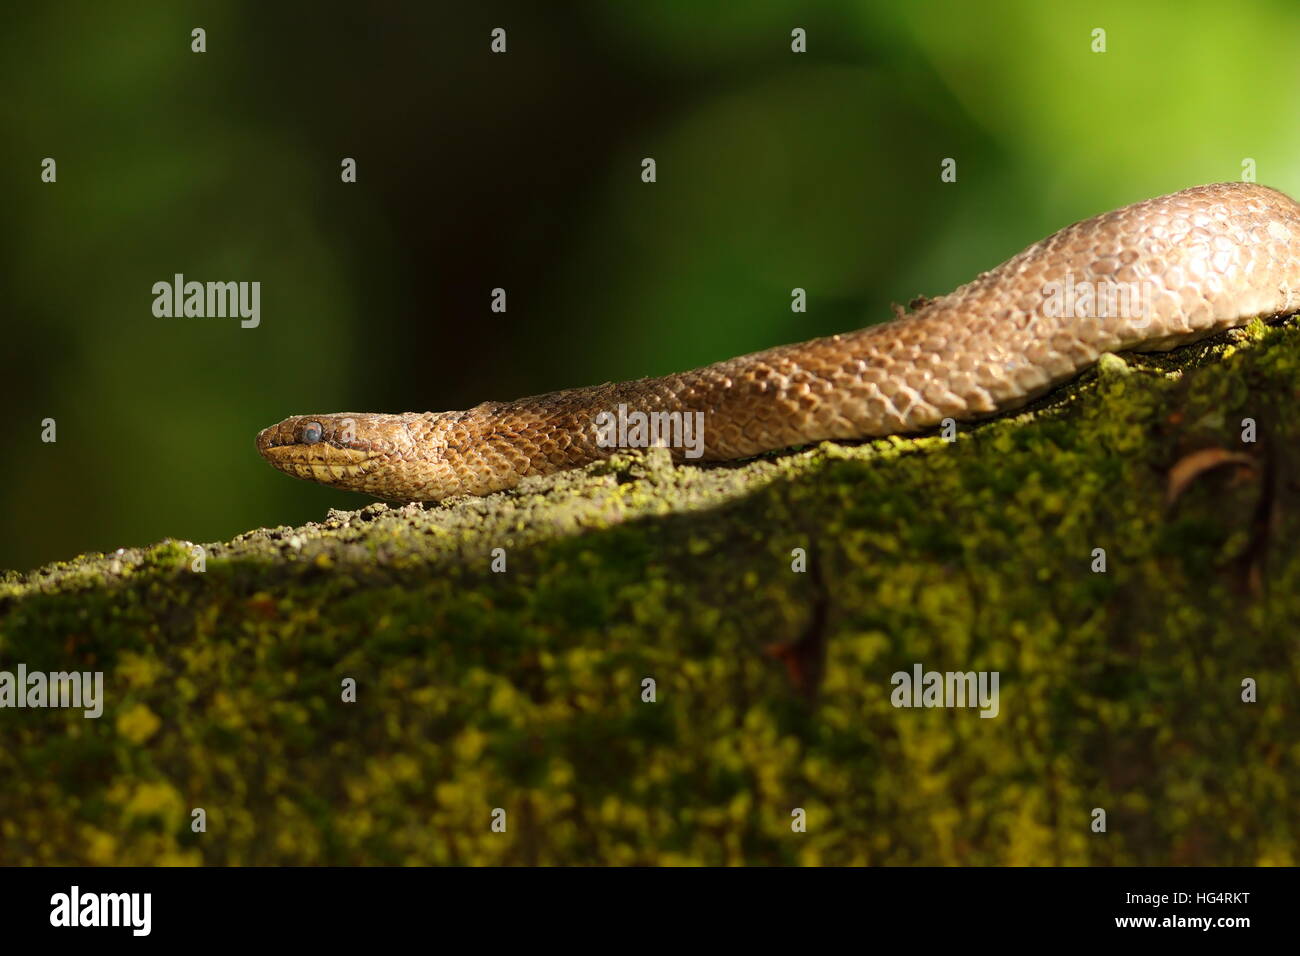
(412, 456)
(341, 449)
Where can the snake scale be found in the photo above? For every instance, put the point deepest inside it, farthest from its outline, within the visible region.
(1197, 261)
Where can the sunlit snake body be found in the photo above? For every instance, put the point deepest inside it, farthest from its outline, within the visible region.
(1203, 260)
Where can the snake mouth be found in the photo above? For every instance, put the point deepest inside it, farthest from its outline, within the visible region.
(324, 463)
(315, 455)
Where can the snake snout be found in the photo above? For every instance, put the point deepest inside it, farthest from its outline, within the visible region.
(323, 448)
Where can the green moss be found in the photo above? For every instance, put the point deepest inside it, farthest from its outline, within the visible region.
(522, 690)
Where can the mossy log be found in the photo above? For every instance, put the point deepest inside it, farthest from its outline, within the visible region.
(522, 689)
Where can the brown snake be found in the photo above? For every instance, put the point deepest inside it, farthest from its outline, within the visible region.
(1192, 263)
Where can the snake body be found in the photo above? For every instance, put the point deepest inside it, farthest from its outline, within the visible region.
(1203, 260)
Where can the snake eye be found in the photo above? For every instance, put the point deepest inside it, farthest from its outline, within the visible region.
(311, 433)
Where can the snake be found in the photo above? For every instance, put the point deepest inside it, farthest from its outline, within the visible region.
(1149, 276)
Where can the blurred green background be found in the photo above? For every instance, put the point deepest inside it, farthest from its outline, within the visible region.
(775, 170)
